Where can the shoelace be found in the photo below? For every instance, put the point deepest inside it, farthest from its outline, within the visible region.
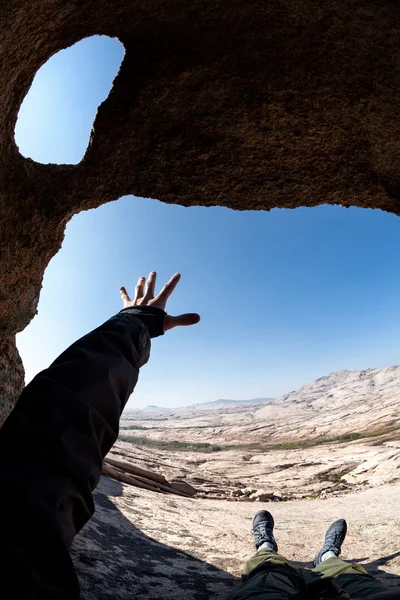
(262, 533)
(334, 540)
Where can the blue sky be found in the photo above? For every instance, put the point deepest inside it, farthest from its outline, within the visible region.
(284, 296)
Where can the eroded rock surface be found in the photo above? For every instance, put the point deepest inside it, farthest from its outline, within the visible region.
(11, 375)
(143, 545)
(116, 559)
(250, 105)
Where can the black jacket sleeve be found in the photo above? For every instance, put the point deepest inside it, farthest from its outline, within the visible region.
(51, 451)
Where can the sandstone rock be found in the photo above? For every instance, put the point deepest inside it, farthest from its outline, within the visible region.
(248, 491)
(11, 376)
(262, 496)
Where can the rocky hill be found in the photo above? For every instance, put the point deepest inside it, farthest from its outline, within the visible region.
(344, 402)
(343, 387)
(344, 405)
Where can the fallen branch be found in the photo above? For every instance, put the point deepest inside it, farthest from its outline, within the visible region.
(128, 467)
(125, 478)
(117, 470)
(166, 488)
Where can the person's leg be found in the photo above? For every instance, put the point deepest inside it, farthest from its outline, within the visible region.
(267, 574)
(335, 566)
(354, 579)
(263, 555)
(265, 543)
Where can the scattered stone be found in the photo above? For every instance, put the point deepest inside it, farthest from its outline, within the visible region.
(262, 496)
(183, 486)
(248, 491)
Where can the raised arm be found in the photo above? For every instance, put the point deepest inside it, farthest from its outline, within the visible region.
(53, 443)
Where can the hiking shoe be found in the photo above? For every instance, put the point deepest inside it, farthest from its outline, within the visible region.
(263, 529)
(334, 539)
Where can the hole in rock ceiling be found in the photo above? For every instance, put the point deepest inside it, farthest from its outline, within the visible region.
(56, 116)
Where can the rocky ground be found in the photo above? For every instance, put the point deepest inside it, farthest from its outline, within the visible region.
(328, 450)
(144, 545)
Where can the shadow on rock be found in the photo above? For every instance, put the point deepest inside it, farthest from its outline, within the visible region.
(115, 560)
(374, 568)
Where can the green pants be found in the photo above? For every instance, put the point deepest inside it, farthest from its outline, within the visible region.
(274, 578)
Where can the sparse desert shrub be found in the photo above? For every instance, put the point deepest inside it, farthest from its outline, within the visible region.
(347, 437)
(259, 447)
(171, 445)
(216, 448)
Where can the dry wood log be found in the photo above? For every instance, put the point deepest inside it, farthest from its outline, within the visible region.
(166, 488)
(128, 467)
(125, 478)
(117, 473)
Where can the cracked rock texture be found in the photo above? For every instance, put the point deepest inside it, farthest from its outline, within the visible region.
(250, 105)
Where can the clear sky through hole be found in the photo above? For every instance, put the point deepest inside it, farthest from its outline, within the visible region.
(57, 114)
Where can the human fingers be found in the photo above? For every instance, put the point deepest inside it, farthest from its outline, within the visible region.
(139, 289)
(180, 321)
(124, 295)
(150, 287)
(160, 300)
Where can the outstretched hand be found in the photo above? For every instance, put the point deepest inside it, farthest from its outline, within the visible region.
(144, 296)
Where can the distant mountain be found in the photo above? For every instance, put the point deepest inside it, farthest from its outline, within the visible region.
(213, 405)
(225, 403)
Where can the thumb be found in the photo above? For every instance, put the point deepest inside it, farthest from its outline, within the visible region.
(180, 321)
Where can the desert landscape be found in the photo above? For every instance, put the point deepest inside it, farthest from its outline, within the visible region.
(327, 450)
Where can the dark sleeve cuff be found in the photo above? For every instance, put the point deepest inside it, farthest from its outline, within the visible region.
(150, 316)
